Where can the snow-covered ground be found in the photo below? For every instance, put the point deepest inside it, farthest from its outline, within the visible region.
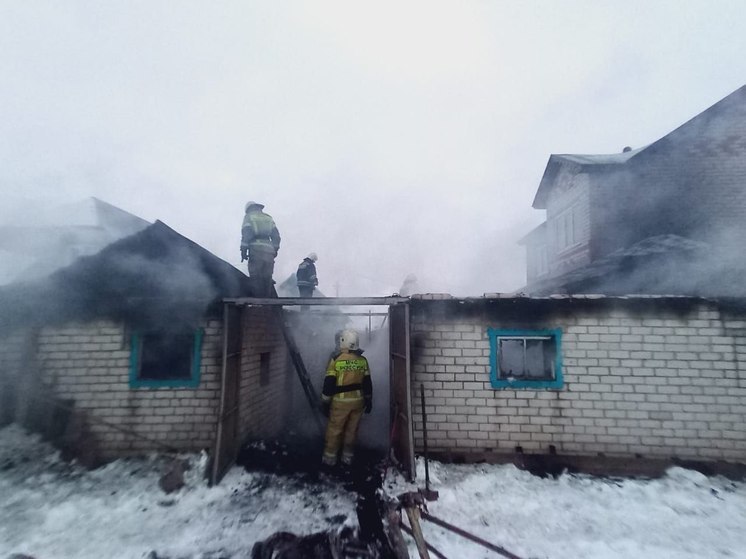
(49, 509)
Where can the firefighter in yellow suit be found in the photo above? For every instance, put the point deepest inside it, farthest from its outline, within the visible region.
(347, 393)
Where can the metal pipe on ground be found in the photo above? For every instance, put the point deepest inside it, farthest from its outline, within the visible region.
(464, 534)
(430, 547)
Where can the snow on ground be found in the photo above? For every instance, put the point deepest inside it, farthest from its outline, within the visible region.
(682, 515)
(49, 509)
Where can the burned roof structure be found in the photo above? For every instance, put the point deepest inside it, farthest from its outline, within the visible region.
(154, 276)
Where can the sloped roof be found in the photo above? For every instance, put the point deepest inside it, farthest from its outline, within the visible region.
(88, 212)
(155, 275)
(539, 230)
(698, 136)
(41, 239)
(599, 159)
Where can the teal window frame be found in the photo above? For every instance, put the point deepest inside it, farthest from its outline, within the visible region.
(499, 383)
(195, 373)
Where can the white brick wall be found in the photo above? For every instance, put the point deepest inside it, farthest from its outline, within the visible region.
(652, 382)
(88, 363)
(262, 411)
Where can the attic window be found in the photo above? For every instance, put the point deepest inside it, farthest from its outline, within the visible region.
(165, 358)
(525, 358)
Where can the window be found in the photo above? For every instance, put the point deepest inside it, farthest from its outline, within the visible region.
(264, 369)
(525, 358)
(165, 358)
(567, 227)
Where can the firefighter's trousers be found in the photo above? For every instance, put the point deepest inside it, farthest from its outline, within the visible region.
(344, 420)
(261, 267)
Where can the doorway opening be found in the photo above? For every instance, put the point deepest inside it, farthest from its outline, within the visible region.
(309, 326)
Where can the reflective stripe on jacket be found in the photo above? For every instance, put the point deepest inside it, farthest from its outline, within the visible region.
(347, 370)
(259, 232)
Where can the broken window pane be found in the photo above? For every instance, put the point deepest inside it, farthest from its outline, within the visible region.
(166, 355)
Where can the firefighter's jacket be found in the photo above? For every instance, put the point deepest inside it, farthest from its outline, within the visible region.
(348, 379)
(306, 274)
(259, 233)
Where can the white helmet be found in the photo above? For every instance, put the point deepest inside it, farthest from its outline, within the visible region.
(252, 203)
(313, 257)
(348, 340)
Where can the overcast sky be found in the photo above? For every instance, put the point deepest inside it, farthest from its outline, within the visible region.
(389, 137)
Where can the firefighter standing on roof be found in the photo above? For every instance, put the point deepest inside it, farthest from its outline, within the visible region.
(260, 241)
(347, 393)
(306, 277)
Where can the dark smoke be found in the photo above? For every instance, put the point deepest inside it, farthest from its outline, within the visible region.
(155, 277)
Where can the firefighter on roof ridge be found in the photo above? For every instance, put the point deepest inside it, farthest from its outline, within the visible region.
(306, 277)
(260, 241)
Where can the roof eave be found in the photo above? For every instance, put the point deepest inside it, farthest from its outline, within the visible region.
(535, 231)
(546, 184)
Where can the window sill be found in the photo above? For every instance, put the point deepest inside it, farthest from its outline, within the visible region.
(556, 384)
(171, 383)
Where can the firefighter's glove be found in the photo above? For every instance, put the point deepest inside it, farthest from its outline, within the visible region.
(244, 254)
(368, 405)
(326, 408)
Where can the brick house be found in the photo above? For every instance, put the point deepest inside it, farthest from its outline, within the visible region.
(121, 353)
(667, 218)
(155, 344)
(585, 376)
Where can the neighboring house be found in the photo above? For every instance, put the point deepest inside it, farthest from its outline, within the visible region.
(669, 217)
(37, 240)
(123, 352)
(580, 376)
